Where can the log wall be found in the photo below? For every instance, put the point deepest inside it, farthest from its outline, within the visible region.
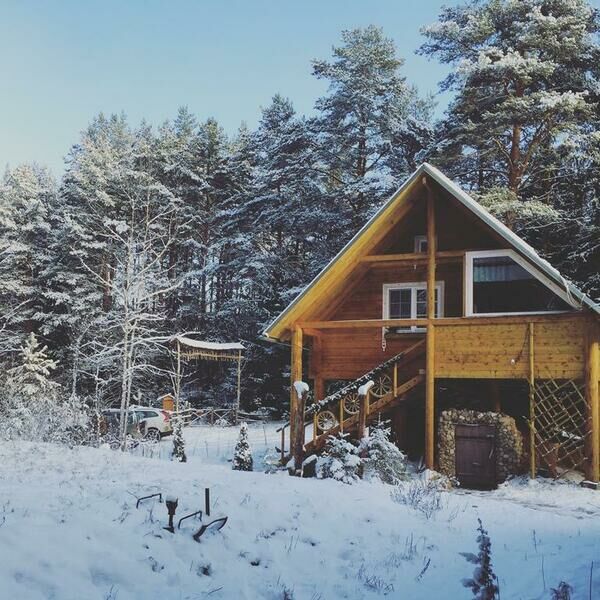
(476, 349)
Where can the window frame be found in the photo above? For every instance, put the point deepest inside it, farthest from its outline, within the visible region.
(413, 286)
(468, 283)
(419, 239)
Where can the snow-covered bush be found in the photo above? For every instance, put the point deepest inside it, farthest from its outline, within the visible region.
(381, 458)
(271, 461)
(423, 495)
(339, 461)
(32, 404)
(178, 452)
(562, 592)
(484, 582)
(242, 457)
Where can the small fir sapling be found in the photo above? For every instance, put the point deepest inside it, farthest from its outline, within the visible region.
(242, 457)
(382, 459)
(484, 583)
(339, 461)
(178, 452)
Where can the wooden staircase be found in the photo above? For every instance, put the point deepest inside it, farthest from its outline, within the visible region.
(340, 412)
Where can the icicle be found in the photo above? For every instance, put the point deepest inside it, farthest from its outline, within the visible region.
(383, 340)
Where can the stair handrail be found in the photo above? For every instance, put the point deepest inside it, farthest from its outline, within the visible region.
(354, 385)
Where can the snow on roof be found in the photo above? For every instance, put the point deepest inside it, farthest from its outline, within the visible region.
(186, 341)
(514, 240)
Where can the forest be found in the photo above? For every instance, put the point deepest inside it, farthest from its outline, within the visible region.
(155, 230)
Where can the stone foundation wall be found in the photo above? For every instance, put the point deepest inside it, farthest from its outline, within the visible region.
(509, 441)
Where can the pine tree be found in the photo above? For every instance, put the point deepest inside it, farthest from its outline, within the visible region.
(32, 399)
(370, 126)
(484, 583)
(178, 452)
(28, 220)
(339, 460)
(242, 457)
(381, 458)
(524, 74)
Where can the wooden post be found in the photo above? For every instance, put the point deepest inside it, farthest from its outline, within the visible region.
(495, 396)
(319, 388)
(395, 382)
(532, 465)
(295, 375)
(297, 447)
(319, 395)
(341, 415)
(362, 415)
(592, 372)
(239, 382)
(430, 337)
(178, 377)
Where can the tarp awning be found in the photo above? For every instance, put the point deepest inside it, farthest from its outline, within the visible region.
(190, 348)
(201, 345)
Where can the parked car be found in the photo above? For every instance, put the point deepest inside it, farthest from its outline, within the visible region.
(155, 423)
(108, 426)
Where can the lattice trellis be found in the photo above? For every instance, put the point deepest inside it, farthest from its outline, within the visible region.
(561, 430)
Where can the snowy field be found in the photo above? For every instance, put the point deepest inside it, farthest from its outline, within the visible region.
(69, 529)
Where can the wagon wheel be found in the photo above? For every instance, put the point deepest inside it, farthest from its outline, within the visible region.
(351, 403)
(326, 420)
(382, 386)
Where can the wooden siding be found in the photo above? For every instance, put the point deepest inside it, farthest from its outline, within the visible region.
(470, 350)
(500, 351)
(366, 299)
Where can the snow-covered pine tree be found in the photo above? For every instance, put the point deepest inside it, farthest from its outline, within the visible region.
(370, 126)
(484, 583)
(178, 452)
(242, 456)
(381, 458)
(519, 85)
(32, 401)
(28, 206)
(339, 460)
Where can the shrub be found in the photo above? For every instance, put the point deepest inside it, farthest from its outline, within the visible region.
(339, 461)
(178, 452)
(242, 457)
(484, 582)
(422, 495)
(381, 458)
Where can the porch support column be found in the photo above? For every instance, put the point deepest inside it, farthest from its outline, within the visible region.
(295, 375)
(531, 378)
(592, 372)
(430, 341)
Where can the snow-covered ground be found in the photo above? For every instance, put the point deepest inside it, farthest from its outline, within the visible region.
(69, 529)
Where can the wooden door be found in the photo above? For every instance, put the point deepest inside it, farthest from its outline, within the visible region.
(475, 456)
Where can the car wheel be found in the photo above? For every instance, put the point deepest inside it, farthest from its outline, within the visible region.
(153, 435)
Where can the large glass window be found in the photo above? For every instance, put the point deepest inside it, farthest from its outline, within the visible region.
(501, 284)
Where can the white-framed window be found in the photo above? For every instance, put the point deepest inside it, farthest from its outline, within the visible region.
(501, 282)
(409, 301)
(420, 243)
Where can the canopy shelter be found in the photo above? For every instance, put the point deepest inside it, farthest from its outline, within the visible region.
(191, 349)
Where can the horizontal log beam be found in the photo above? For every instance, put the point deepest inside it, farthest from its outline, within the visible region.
(375, 323)
(412, 256)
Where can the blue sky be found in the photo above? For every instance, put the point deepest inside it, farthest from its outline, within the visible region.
(65, 61)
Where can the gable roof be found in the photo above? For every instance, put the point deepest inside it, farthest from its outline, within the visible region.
(282, 322)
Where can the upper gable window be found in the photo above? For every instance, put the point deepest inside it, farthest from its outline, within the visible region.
(420, 243)
(501, 282)
(409, 301)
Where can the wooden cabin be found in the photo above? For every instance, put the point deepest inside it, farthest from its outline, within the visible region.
(459, 324)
